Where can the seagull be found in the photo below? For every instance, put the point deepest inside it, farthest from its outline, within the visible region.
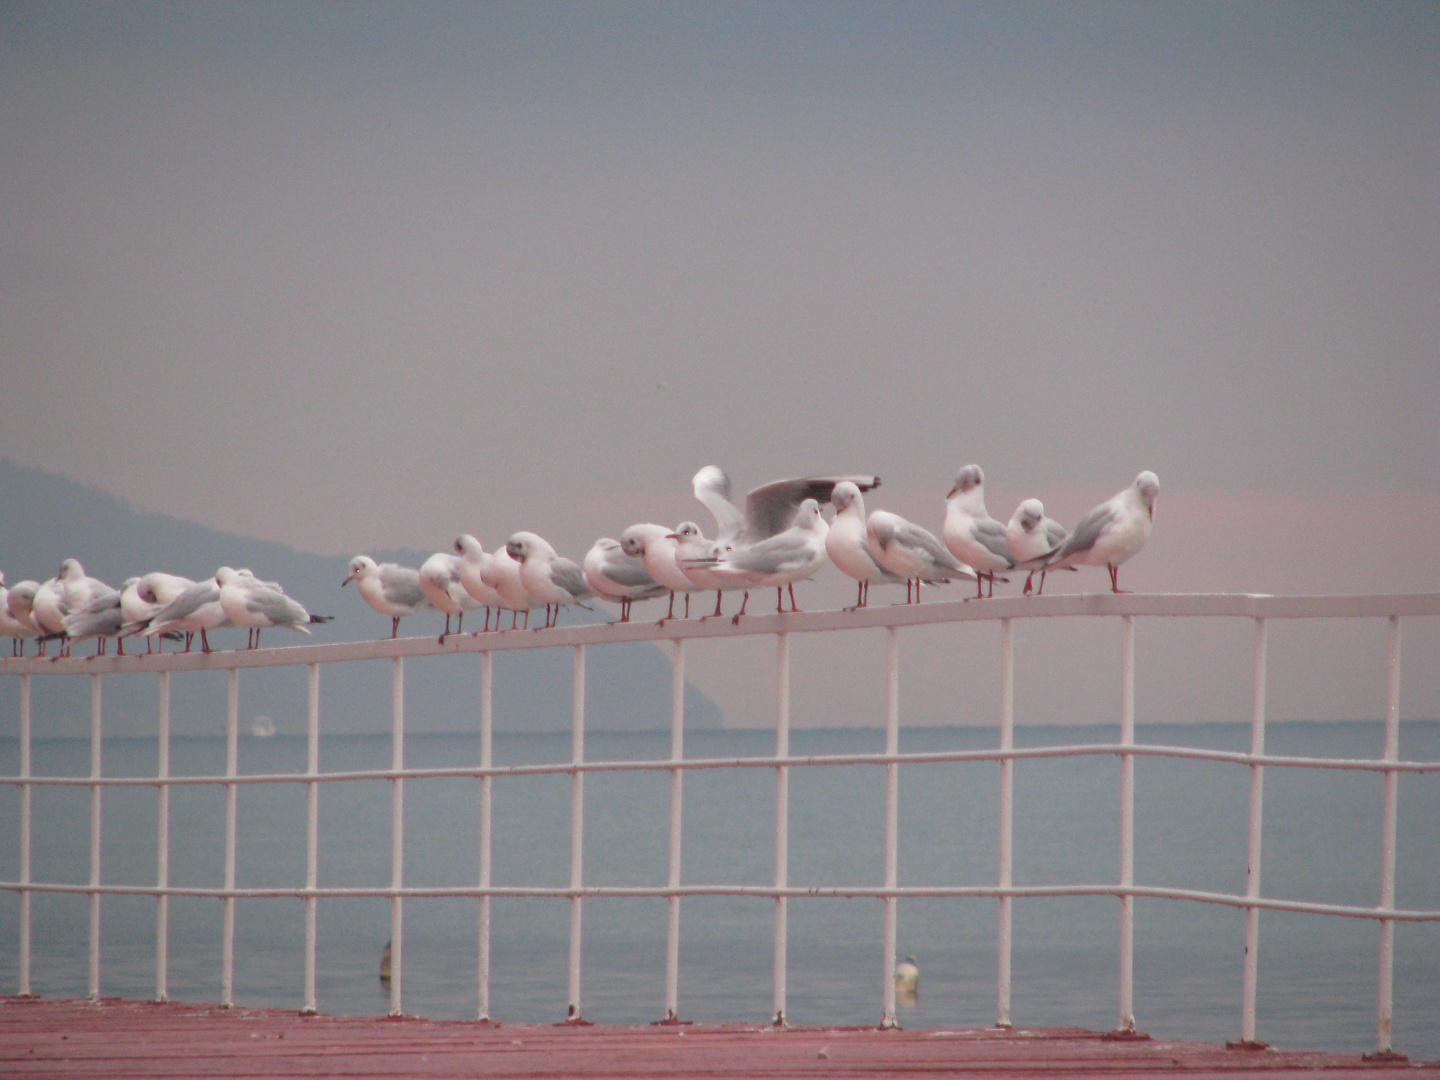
(18, 601)
(1109, 534)
(69, 590)
(694, 553)
(48, 610)
(474, 560)
(617, 577)
(10, 624)
(257, 604)
(656, 546)
(847, 546)
(196, 608)
(911, 552)
(503, 575)
(103, 617)
(1031, 533)
(442, 585)
(142, 597)
(779, 560)
(389, 588)
(555, 581)
(971, 534)
(769, 509)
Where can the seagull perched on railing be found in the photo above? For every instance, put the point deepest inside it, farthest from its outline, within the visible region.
(502, 574)
(550, 579)
(617, 577)
(197, 608)
(1031, 533)
(911, 552)
(389, 588)
(443, 586)
(101, 618)
(849, 547)
(693, 550)
(256, 604)
(1109, 534)
(474, 560)
(11, 624)
(971, 534)
(657, 547)
(779, 560)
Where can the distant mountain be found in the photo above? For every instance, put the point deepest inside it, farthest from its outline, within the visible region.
(45, 518)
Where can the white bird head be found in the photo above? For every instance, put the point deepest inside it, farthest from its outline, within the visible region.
(846, 495)
(360, 566)
(1148, 485)
(967, 479)
(1029, 514)
(71, 570)
(527, 545)
(686, 530)
(467, 546)
(635, 539)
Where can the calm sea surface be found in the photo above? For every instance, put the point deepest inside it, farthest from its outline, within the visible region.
(1321, 843)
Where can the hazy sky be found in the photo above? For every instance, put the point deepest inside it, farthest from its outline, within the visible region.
(353, 275)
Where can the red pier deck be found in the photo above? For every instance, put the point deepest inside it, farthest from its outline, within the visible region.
(112, 1038)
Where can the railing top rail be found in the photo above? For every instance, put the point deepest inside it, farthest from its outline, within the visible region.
(1232, 605)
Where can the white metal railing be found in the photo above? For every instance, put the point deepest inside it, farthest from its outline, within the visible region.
(1126, 608)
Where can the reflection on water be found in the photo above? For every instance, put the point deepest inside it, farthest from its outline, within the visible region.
(1317, 975)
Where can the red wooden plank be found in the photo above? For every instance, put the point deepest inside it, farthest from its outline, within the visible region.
(58, 1038)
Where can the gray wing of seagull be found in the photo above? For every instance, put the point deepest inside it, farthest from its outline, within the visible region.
(922, 539)
(1055, 533)
(401, 585)
(774, 554)
(990, 534)
(101, 617)
(276, 608)
(771, 508)
(1085, 536)
(188, 602)
(567, 575)
(627, 570)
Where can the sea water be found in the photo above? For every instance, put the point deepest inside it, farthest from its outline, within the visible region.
(1317, 974)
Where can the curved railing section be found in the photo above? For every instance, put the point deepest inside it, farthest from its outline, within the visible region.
(1004, 612)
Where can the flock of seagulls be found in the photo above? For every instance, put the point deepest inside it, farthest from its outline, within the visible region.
(73, 606)
(778, 538)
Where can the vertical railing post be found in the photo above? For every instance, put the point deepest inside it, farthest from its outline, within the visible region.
(232, 762)
(397, 837)
(782, 821)
(487, 760)
(162, 844)
(677, 779)
(1004, 934)
(577, 829)
(26, 831)
(1249, 991)
(96, 760)
(1385, 998)
(1126, 1022)
(312, 831)
(892, 822)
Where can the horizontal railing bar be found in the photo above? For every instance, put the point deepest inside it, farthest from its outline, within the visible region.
(915, 758)
(760, 891)
(1233, 605)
